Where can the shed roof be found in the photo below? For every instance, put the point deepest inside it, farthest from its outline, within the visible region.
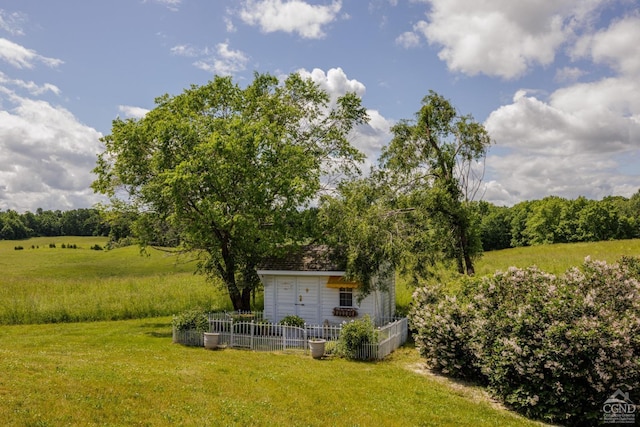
(306, 258)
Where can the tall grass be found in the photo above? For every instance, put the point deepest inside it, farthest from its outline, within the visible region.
(556, 258)
(41, 284)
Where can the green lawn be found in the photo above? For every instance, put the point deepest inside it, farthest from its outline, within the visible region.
(129, 373)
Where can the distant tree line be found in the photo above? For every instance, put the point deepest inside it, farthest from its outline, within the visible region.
(549, 220)
(558, 220)
(76, 222)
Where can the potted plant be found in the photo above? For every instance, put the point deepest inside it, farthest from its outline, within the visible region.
(316, 345)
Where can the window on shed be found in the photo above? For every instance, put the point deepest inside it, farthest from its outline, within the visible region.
(346, 297)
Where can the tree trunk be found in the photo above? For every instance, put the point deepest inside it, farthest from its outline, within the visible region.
(464, 245)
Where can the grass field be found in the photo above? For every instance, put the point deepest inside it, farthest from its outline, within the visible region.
(40, 284)
(127, 372)
(124, 373)
(556, 259)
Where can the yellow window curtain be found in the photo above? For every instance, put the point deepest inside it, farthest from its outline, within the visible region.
(339, 282)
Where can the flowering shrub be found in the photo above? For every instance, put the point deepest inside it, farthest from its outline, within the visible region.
(443, 335)
(551, 347)
(189, 320)
(354, 335)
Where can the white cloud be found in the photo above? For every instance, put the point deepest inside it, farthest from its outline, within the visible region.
(369, 138)
(501, 37)
(616, 46)
(225, 61)
(568, 74)
(130, 111)
(186, 50)
(408, 40)
(229, 25)
(290, 16)
(12, 22)
(335, 82)
(21, 57)
(576, 143)
(46, 156)
(172, 5)
(32, 87)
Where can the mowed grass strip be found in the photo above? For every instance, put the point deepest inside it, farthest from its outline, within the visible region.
(129, 373)
(52, 285)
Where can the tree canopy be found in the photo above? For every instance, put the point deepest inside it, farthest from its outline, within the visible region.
(413, 211)
(231, 168)
(434, 160)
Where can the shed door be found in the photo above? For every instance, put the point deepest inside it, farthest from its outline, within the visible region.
(308, 299)
(299, 296)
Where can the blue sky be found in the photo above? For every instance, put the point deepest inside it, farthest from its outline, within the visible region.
(556, 83)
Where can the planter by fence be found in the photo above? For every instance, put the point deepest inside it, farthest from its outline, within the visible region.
(317, 348)
(211, 340)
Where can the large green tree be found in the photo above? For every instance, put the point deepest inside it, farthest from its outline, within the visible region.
(231, 168)
(434, 160)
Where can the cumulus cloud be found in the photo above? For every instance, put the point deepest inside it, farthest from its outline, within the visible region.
(335, 81)
(46, 156)
(290, 16)
(134, 112)
(21, 57)
(369, 138)
(616, 46)
(576, 142)
(500, 37)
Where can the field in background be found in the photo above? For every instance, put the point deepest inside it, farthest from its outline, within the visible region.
(554, 259)
(41, 284)
(557, 258)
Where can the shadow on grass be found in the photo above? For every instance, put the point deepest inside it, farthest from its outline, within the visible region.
(163, 330)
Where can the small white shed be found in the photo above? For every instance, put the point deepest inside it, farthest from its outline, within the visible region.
(309, 284)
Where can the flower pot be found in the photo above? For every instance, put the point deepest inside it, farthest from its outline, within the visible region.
(211, 340)
(317, 348)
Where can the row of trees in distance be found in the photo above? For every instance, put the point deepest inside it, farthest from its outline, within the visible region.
(44, 223)
(555, 219)
(549, 220)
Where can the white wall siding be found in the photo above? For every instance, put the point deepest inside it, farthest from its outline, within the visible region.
(269, 298)
(309, 297)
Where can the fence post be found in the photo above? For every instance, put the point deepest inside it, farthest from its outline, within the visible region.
(231, 340)
(253, 329)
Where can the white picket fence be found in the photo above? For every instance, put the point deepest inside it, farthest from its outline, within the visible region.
(248, 331)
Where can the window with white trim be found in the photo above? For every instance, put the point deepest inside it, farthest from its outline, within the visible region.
(346, 297)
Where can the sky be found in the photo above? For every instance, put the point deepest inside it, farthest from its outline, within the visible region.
(555, 82)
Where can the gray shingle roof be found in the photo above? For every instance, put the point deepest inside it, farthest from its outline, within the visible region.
(306, 258)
